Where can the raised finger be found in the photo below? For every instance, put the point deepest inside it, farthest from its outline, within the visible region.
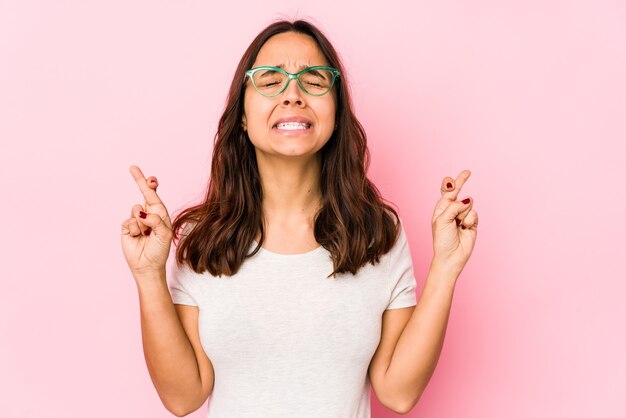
(153, 183)
(457, 185)
(148, 192)
(447, 185)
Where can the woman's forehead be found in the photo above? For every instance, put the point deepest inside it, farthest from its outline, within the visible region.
(290, 50)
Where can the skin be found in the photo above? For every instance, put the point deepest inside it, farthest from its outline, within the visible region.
(454, 225)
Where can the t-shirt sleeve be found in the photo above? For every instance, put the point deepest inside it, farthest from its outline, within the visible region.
(402, 280)
(180, 284)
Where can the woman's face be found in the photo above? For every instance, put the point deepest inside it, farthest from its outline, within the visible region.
(291, 51)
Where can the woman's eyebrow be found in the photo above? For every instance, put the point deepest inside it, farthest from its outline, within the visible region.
(302, 67)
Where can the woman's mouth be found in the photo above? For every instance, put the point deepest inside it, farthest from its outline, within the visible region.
(293, 127)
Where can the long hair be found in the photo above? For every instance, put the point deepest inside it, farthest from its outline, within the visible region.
(354, 223)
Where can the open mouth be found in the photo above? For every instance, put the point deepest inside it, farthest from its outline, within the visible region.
(292, 126)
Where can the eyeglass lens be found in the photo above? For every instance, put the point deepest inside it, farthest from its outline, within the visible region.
(271, 82)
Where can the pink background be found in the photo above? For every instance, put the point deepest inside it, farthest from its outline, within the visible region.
(528, 95)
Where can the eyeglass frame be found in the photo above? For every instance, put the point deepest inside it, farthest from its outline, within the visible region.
(335, 73)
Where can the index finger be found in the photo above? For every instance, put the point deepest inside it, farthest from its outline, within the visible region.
(148, 193)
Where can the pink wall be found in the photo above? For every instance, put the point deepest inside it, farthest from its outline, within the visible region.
(530, 96)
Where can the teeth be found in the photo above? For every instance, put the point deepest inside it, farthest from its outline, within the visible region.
(292, 125)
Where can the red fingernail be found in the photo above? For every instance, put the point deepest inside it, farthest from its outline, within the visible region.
(153, 181)
(147, 231)
(449, 185)
(458, 221)
(463, 227)
(466, 201)
(142, 214)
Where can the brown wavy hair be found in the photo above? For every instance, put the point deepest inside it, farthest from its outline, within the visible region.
(354, 223)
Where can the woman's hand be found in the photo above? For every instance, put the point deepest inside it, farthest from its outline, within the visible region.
(147, 234)
(454, 226)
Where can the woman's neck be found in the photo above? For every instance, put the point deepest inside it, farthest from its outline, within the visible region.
(291, 187)
(291, 198)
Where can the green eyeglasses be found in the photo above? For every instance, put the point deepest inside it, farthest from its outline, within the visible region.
(271, 81)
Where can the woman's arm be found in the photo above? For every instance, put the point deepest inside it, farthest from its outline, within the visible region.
(419, 346)
(454, 226)
(180, 370)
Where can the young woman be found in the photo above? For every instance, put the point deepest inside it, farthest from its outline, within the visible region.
(293, 292)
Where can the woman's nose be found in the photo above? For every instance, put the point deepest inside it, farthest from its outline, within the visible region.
(293, 94)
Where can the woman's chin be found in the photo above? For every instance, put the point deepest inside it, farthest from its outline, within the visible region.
(285, 151)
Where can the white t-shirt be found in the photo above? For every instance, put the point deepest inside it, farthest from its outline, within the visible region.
(285, 340)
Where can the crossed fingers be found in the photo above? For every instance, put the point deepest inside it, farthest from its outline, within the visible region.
(152, 204)
(450, 189)
(148, 192)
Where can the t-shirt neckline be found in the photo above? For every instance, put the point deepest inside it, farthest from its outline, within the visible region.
(273, 254)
